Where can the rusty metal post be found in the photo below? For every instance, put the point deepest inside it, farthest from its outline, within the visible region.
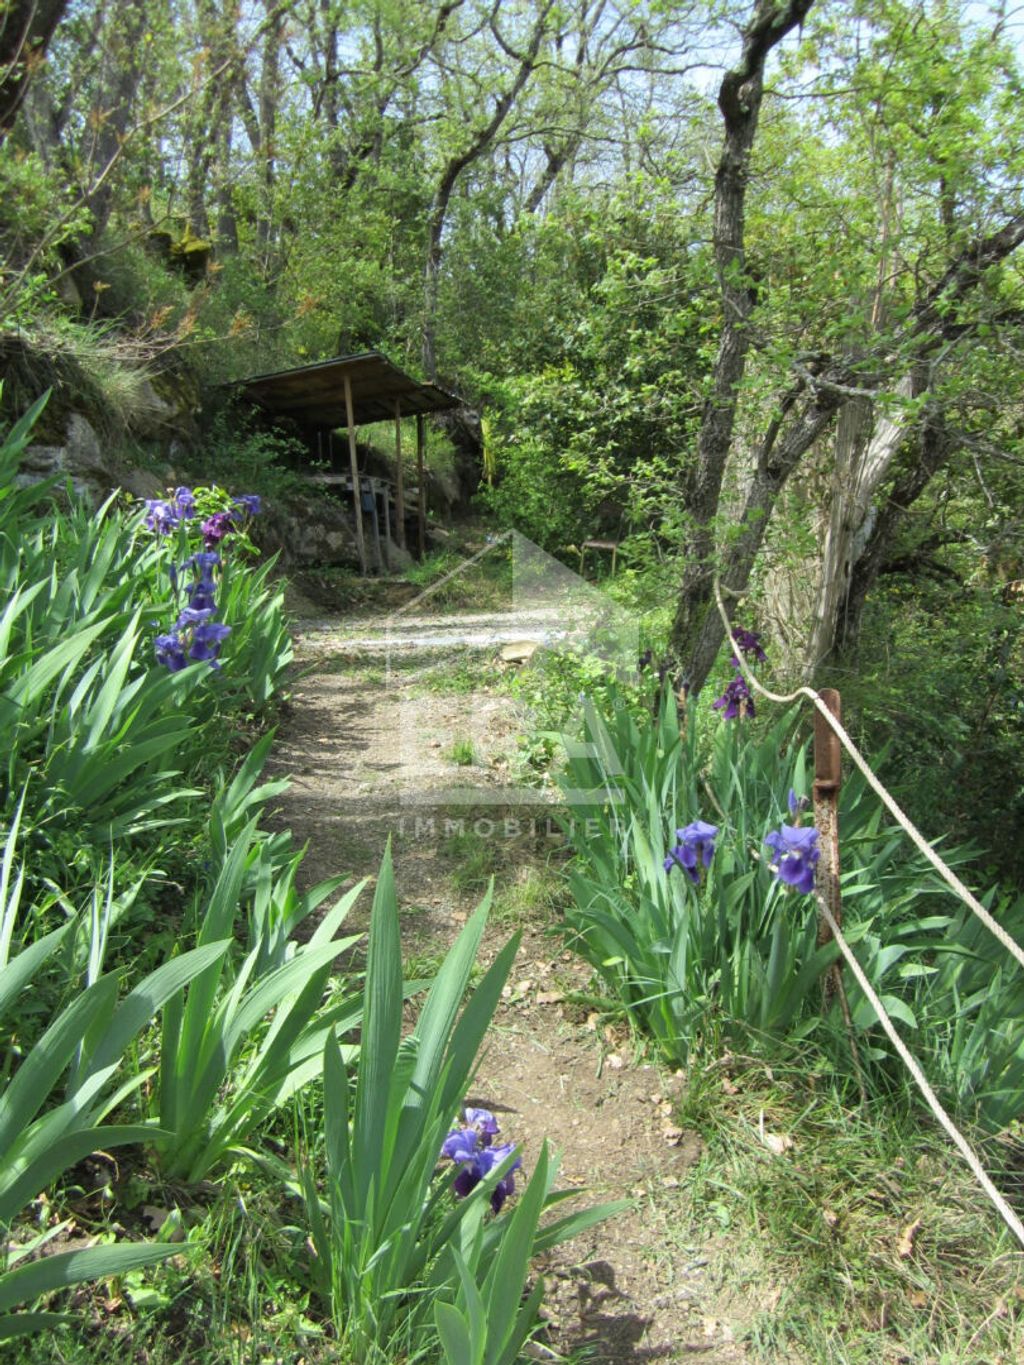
(827, 781)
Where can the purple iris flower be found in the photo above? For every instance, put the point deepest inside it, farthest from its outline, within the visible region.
(160, 516)
(249, 504)
(215, 528)
(203, 560)
(479, 1164)
(184, 503)
(749, 642)
(472, 1147)
(736, 696)
(797, 804)
(207, 639)
(193, 616)
(461, 1144)
(796, 856)
(483, 1122)
(696, 843)
(201, 591)
(170, 651)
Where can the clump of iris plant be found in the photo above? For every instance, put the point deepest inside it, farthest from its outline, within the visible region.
(695, 848)
(736, 701)
(473, 1149)
(796, 855)
(197, 635)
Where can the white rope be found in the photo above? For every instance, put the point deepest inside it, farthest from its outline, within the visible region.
(966, 1151)
(904, 821)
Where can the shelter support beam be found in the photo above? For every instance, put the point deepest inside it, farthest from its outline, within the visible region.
(399, 479)
(421, 441)
(357, 498)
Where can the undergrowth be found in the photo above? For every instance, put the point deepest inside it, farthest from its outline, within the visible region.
(859, 1233)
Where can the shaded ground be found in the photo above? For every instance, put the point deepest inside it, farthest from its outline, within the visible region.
(376, 745)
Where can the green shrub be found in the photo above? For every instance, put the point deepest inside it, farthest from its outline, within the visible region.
(736, 955)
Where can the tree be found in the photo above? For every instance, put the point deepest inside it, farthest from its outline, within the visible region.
(26, 27)
(897, 353)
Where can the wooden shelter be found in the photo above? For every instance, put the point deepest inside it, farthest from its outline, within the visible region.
(348, 392)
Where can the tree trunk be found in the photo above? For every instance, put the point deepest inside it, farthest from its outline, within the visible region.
(776, 460)
(480, 142)
(863, 458)
(270, 75)
(26, 27)
(934, 448)
(739, 99)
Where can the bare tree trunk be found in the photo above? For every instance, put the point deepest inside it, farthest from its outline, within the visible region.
(934, 448)
(776, 460)
(863, 458)
(739, 99)
(270, 76)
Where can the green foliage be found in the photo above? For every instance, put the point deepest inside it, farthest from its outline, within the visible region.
(594, 440)
(874, 1241)
(238, 449)
(946, 702)
(391, 1247)
(737, 957)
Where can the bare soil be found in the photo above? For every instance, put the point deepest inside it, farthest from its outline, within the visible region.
(369, 746)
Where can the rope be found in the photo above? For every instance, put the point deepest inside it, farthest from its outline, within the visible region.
(952, 880)
(909, 828)
(966, 1151)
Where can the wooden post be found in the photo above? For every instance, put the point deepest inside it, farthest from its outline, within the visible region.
(827, 781)
(375, 522)
(357, 492)
(385, 500)
(399, 478)
(421, 438)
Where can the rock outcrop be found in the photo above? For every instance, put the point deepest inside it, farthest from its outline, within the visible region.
(307, 531)
(83, 461)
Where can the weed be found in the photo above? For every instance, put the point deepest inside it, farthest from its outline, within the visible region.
(532, 896)
(463, 752)
(474, 859)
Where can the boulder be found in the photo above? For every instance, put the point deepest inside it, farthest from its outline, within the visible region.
(93, 472)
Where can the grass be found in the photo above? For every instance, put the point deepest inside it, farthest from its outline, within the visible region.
(875, 1242)
(533, 896)
(474, 859)
(237, 1296)
(463, 753)
(461, 675)
(448, 581)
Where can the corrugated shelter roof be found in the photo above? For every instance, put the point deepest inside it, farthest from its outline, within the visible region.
(314, 395)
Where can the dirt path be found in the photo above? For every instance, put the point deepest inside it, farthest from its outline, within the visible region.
(371, 744)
